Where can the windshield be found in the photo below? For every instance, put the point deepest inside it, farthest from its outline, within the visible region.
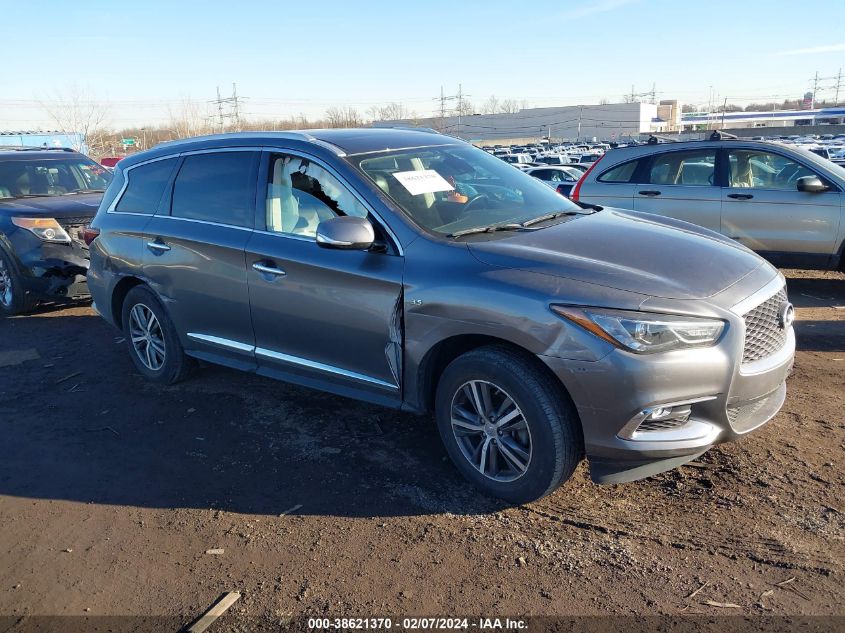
(51, 177)
(455, 188)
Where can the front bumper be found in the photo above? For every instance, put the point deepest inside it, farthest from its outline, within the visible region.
(726, 400)
(51, 270)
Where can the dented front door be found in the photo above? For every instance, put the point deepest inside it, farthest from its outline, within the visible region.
(326, 318)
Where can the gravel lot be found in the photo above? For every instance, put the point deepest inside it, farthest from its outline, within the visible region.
(113, 489)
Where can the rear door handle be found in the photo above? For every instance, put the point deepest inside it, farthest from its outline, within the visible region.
(158, 246)
(649, 192)
(740, 196)
(269, 270)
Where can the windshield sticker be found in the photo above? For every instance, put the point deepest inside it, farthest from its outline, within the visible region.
(422, 181)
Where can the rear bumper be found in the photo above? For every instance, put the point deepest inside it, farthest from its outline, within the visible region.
(725, 402)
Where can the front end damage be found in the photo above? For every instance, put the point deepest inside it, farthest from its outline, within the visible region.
(53, 270)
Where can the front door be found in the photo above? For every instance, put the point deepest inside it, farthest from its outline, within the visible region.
(763, 209)
(325, 318)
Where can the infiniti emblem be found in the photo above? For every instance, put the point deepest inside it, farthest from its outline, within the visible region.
(786, 315)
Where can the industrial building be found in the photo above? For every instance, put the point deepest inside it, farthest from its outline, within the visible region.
(613, 121)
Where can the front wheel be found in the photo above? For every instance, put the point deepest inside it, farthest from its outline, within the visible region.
(13, 297)
(507, 425)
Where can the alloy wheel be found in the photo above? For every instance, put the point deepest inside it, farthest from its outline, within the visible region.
(5, 284)
(491, 431)
(147, 337)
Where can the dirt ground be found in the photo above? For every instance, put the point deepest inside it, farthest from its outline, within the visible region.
(113, 489)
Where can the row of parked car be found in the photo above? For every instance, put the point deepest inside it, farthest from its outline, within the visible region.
(557, 166)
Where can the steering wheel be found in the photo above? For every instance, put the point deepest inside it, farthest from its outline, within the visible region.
(474, 200)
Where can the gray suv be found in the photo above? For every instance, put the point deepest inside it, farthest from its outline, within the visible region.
(413, 270)
(785, 203)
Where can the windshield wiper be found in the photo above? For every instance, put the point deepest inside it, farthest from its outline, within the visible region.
(550, 216)
(507, 226)
(73, 193)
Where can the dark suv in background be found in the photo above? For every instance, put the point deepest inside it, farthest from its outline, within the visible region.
(47, 200)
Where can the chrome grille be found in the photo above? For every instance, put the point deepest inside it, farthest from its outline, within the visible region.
(763, 334)
(74, 227)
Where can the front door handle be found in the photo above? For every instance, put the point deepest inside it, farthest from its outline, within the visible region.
(269, 270)
(649, 192)
(158, 247)
(740, 196)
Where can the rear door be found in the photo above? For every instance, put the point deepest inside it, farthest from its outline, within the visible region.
(681, 184)
(194, 253)
(763, 209)
(612, 187)
(323, 317)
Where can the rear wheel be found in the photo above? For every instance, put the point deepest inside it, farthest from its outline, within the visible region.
(507, 425)
(13, 297)
(151, 338)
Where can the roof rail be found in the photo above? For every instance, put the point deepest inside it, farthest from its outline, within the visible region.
(34, 148)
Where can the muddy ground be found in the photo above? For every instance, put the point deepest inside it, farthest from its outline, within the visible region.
(112, 489)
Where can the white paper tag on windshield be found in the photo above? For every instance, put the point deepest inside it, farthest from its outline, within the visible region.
(422, 181)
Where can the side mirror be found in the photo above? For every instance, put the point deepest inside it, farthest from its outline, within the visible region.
(346, 232)
(811, 184)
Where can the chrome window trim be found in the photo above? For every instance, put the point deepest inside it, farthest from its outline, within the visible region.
(272, 149)
(331, 369)
(763, 294)
(210, 223)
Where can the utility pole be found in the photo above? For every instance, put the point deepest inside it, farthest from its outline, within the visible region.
(837, 86)
(234, 108)
(580, 110)
(815, 81)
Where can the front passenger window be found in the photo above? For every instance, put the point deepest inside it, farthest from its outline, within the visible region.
(301, 194)
(764, 170)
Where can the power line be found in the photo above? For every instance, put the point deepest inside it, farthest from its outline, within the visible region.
(234, 108)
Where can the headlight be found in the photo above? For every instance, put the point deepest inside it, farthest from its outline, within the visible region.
(642, 332)
(46, 229)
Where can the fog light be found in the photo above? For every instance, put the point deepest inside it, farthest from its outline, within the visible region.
(680, 413)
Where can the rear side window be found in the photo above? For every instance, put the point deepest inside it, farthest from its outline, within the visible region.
(217, 187)
(620, 173)
(693, 168)
(146, 185)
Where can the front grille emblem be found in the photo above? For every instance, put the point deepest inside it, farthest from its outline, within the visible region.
(786, 315)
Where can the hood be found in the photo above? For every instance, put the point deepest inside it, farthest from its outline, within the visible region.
(636, 252)
(75, 205)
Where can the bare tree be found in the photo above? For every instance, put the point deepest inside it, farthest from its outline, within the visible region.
(78, 112)
(511, 106)
(491, 106)
(465, 108)
(189, 119)
(391, 112)
(343, 117)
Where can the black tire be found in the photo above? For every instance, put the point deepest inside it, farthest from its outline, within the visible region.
(174, 364)
(554, 430)
(13, 296)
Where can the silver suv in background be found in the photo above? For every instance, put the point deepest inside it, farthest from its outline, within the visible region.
(415, 271)
(785, 203)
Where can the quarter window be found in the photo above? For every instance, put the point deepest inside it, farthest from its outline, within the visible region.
(620, 173)
(146, 186)
(216, 187)
(693, 168)
(764, 170)
(301, 194)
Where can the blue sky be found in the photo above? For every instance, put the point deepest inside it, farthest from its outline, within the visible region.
(288, 57)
